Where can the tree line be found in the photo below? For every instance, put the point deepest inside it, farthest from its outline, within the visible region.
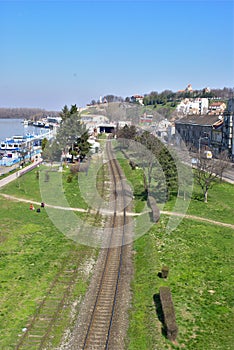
(169, 97)
(25, 113)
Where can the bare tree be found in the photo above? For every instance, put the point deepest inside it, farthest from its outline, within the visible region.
(222, 164)
(207, 172)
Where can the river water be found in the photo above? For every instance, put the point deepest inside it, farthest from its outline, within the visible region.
(12, 127)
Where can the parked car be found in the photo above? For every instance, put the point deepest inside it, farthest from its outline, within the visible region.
(194, 161)
(208, 154)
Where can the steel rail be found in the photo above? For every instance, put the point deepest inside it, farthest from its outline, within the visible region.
(115, 170)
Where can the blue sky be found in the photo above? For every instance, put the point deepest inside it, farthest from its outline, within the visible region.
(63, 52)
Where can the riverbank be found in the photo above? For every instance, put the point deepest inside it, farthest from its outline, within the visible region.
(18, 173)
(24, 113)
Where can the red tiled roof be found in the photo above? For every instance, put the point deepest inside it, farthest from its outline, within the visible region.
(138, 96)
(217, 104)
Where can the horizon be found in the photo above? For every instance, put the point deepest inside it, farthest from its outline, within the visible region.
(70, 52)
(87, 105)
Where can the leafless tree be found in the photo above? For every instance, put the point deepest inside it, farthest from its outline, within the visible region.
(207, 172)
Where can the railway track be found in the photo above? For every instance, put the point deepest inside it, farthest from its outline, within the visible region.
(49, 312)
(38, 329)
(100, 327)
(97, 334)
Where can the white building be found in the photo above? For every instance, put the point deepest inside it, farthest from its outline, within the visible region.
(122, 123)
(95, 146)
(137, 98)
(193, 106)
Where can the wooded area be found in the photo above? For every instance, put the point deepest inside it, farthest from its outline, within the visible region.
(25, 113)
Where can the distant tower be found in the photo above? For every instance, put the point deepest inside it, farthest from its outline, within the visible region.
(206, 89)
(189, 88)
(100, 99)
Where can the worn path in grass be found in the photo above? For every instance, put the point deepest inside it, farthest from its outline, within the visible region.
(199, 218)
(186, 216)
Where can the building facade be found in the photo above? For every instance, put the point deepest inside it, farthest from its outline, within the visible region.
(228, 129)
(201, 132)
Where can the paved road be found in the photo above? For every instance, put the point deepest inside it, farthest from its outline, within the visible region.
(228, 175)
(14, 176)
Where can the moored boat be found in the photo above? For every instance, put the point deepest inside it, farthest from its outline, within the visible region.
(39, 124)
(10, 158)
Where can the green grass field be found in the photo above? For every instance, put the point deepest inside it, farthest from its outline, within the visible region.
(199, 256)
(28, 187)
(33, 253)
(200, 259)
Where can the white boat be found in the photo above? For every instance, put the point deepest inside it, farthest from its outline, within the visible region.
(16, 143)
(25, 122)
(39, 124)
(9, 158)
(10, 145)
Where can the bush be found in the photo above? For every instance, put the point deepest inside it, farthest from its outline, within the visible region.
(69, 178)
(74, 169)
(168, 313)
(132, 164)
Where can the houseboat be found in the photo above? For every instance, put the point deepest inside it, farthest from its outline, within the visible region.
(17, 143)
(10, 158)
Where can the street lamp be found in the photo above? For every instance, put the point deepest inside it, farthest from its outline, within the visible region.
(199, 143)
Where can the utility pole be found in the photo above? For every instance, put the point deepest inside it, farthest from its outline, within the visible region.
(199, 143)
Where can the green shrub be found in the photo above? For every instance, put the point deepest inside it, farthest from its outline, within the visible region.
(132, 164)
(69, 178)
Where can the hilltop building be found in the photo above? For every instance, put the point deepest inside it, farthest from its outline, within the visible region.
(137, 98)
(187, 89)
